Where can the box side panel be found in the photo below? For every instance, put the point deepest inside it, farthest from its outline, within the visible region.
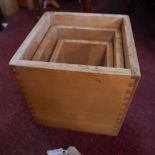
(118, 50)
(75, 100)
(85, 33)
(130, 54)
(83, 19)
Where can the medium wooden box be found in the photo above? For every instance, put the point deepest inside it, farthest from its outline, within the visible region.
(77, 90)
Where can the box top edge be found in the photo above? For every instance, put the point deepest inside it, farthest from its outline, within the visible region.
(86, 14)
(71, 67)
(134, 63)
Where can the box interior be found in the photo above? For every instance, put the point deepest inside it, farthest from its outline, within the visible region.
(80, 52)
(55, 33)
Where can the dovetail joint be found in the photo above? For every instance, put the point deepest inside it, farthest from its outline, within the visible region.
(125, 103)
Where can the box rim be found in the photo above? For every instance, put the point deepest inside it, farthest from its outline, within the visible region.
(135, 70)
(71, 67)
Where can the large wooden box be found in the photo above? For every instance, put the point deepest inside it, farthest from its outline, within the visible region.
(78, 71)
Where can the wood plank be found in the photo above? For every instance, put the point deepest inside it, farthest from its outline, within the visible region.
(118, 50)
(109, 62)
(87, 19)
(85, 33)
(46, 47)
(72, 67)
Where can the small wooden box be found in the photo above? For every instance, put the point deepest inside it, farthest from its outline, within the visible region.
(79, 91)
(80, 52)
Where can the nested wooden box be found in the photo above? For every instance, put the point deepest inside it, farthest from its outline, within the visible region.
(78, 71)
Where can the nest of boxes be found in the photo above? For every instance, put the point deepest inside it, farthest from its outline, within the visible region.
(79, 71)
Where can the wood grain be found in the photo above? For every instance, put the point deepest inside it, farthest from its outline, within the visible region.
(87, 20)
(46, 47)
(118, 50)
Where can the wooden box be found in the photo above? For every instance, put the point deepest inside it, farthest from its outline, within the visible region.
(78, 71)
(80, 52)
